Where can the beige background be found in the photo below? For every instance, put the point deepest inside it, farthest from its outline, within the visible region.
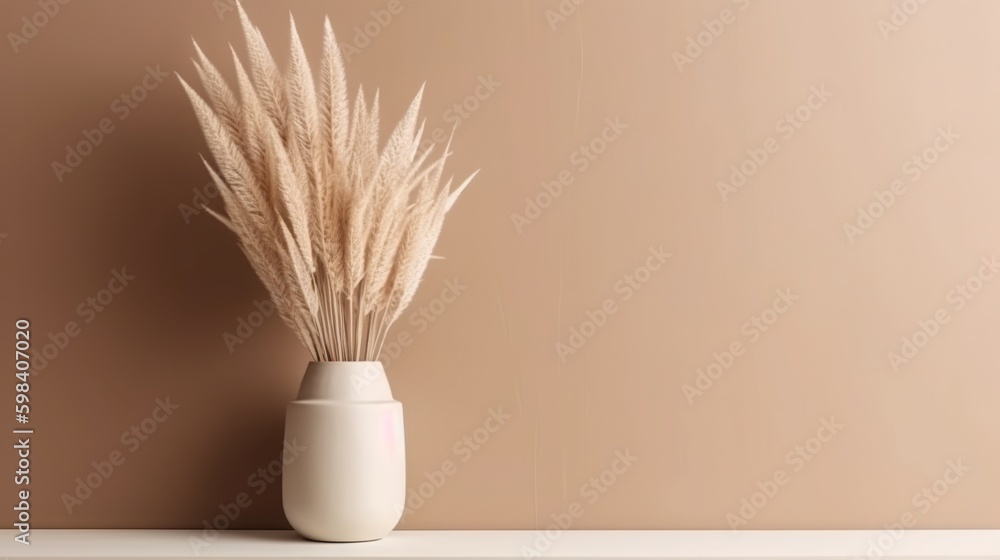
(494, 347)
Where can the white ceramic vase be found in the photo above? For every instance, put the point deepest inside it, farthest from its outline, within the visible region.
(348, 483)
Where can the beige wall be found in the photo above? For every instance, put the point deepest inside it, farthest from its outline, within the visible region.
(838, 107)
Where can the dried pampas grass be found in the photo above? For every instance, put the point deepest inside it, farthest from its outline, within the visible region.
(338, 231)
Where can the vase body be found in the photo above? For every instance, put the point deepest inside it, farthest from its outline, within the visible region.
(348, 481)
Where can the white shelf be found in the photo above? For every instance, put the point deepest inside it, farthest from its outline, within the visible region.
(428, 545)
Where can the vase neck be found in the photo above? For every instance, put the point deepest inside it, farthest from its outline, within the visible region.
(345, 381)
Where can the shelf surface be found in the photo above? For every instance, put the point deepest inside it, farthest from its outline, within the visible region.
(494, 545)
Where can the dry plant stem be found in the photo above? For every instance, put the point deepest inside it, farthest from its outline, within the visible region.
(362, 339)
(358, 330)
(328, 321)
(315, 198)
(334, 319)
(380, 313)
(369, 335)
(339, 319)
(347, 327)
(348, 318)
(383, 331)
(325, 317)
